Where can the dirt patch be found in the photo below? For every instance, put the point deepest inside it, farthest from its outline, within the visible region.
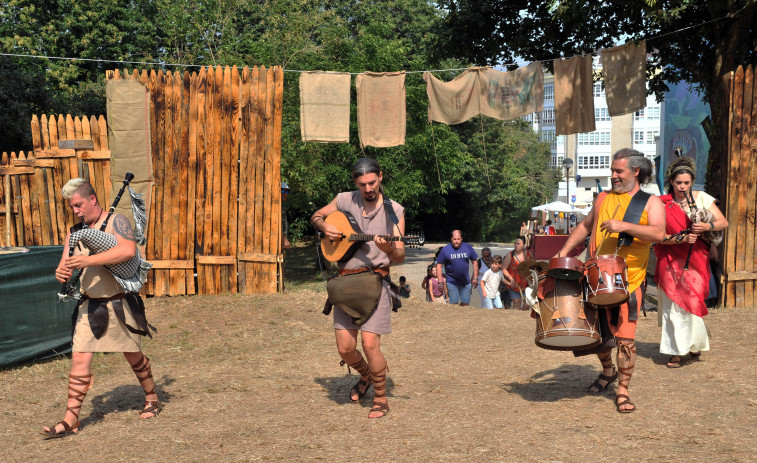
(251, 378)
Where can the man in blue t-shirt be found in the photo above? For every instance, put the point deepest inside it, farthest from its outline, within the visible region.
(455, 256)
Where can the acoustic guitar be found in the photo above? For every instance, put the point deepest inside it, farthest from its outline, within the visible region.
(342, 249)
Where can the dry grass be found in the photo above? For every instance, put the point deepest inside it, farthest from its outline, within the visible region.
(250, 378)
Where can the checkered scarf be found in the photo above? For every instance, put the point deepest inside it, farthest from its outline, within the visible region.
(130, 274)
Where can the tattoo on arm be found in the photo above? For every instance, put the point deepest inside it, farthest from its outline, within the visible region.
(122, 227)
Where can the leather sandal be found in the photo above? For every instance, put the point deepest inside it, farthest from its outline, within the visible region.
(356, 390)
(626, 401)
(152, 406)
(144, 373)
(380, 407)
(603, 377)
(695, 355)
(74, 382)
(51, 433)
(674, 363)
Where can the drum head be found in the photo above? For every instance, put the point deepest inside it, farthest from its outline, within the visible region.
(565, 273)
(608, 299)
(565, 268)
(577, 341)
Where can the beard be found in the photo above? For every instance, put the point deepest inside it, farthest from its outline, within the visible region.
(371, 197)
(622, 187)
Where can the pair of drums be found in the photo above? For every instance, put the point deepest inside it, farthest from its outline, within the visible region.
(572, 291)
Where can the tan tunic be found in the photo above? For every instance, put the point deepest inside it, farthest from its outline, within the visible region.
(369, 255)
(98, 282)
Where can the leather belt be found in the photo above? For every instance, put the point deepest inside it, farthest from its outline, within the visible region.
(383, 271)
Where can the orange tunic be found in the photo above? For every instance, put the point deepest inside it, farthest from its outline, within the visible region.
(636, 255)
(613, 206)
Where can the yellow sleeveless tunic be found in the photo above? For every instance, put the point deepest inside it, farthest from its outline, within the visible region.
(636, 255)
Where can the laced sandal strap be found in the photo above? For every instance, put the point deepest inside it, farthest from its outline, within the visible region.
(78, 385)
(379, 382)
(66, 426)
(144, 373)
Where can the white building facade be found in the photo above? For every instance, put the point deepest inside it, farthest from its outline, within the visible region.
(592, 152)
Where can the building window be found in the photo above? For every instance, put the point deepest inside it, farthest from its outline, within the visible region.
(548, 116)
(639, 115)
(602, 115)
(549, 136)
(594, 138)
(598, 90)
(528, 117)
(549, 92)
(638, 137)
(594, 162)
(651, 135)
(653, 114)
(557, 161)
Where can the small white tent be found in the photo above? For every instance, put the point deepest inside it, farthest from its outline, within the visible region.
(559, 206)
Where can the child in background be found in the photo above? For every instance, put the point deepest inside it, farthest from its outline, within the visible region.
(404, 288)
(490, 285)
(437, 288)
(424, 285)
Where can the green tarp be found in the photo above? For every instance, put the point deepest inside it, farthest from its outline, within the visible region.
(32, 322)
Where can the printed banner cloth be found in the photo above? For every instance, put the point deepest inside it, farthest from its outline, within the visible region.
(498, 94)
(381, 118)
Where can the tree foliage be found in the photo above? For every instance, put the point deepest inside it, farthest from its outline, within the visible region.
(435, 175)
(695, 41)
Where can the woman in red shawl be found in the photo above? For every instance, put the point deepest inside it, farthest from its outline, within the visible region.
(682, 291)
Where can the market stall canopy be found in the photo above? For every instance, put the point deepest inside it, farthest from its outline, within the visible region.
(559, 206)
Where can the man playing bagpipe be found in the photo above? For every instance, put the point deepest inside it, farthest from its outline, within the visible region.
(109, 316)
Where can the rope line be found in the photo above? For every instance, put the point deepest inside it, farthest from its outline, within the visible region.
(165, 64)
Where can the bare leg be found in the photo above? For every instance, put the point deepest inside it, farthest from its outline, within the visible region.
(140, 364)
(346, 345)
(377, 365)
(79, 381)
(626, 364)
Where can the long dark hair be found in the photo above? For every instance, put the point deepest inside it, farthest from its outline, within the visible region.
(636, 159)
(366, 166)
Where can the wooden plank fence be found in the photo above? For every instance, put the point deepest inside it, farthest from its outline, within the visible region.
(40, 215)
(216, 203)
(740, 264)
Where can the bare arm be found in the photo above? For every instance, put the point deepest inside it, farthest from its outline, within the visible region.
(505, 264)
(63, 273)
(509, 281)
(719, 221)
(394, 249)
(654, 231)
(319, 223)
(582, 230)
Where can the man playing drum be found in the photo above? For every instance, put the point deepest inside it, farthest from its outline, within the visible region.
(630, 169)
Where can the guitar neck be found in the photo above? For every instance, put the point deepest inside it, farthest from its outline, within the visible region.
(364, 237)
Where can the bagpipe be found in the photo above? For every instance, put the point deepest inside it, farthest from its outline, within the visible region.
(130, 274)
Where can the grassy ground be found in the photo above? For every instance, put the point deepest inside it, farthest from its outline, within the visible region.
(257, 378)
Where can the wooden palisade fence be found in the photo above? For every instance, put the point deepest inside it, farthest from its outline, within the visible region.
(40, 216)
(216, 202)
(740, 264)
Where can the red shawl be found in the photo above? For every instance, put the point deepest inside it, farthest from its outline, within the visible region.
(687, 288)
